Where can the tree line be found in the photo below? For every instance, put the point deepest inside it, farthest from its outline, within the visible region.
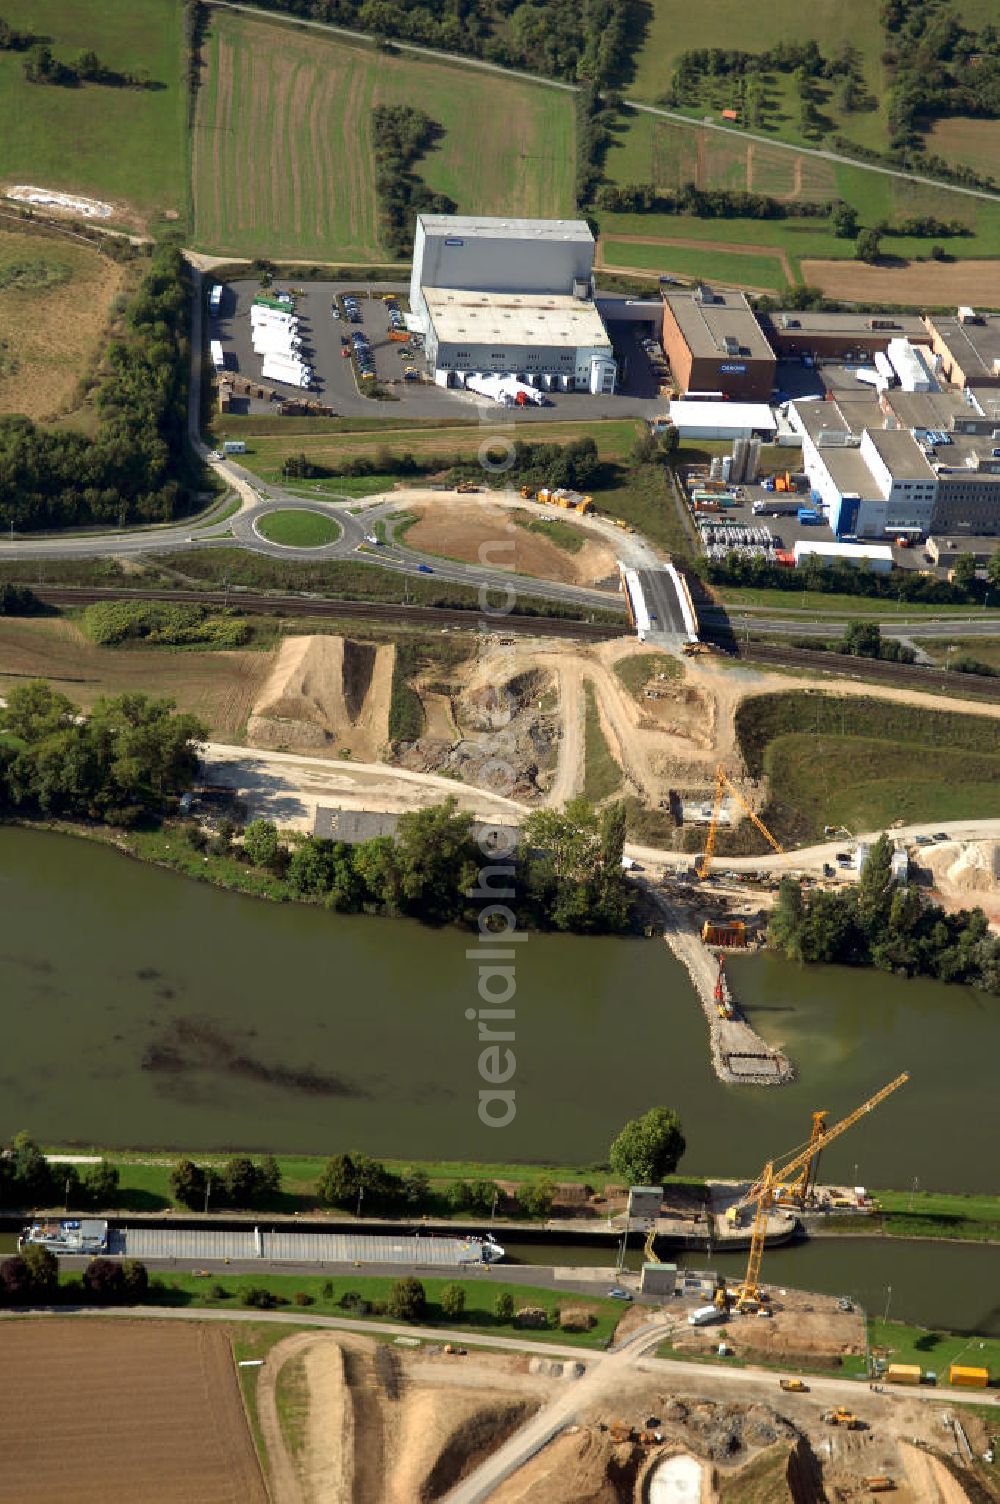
(707, 203)
(401, 135)
(28, 1179)
(566, 39)
(128, 759)
(879, 922)
(31, 1278)
(41, 66)
(566, 869)
(841, 578)
(136, 466)
(575, 465)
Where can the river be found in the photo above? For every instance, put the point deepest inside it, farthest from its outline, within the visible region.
(142, 1009)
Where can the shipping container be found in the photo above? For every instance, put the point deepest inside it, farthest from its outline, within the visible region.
(234, 446)
(807, 516)
(704, 1315)
(903, 1373)
(969, 1378)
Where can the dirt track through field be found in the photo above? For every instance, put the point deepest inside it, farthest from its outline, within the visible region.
(138, 1411)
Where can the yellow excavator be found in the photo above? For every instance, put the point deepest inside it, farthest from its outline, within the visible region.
(722, 784)
(779, 1177)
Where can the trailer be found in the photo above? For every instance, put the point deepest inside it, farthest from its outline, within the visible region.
(287, 373)
(215, 298)
(218, 359)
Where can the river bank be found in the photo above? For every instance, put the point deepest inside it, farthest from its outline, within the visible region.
(144, 1186)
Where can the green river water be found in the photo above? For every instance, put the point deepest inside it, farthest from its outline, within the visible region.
(142, 1009)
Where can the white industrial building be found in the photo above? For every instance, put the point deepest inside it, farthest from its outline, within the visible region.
(874, 556)
(874, 482)
(695, 419)
(510, 297)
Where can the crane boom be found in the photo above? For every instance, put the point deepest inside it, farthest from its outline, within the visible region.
(825, 1136)
(762, 1193)
(722, 783)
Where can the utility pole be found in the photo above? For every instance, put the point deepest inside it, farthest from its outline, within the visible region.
(208, 1192)
(361, 1197)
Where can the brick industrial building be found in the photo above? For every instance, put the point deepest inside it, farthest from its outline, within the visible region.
(715, 344)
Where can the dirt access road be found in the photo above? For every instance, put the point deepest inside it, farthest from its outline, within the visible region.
(287, 788)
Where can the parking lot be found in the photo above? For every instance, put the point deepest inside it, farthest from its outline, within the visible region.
(334, 382)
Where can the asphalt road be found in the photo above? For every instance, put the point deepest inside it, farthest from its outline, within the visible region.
(662, 602)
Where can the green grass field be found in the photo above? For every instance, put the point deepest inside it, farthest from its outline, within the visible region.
(562, 534)
(929, 1350)
(267, 452)
(283, 155)
(923, 1214)
(296, 529)
(129, 146)
(719, 266)
(863, 792)
(191, 1291)
(806, 602)
(602, 775)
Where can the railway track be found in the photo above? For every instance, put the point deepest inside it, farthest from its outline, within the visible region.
(872, 670)
(297, 605)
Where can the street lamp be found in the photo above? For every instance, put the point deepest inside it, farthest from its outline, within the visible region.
(361, 1197)
(208, 1192)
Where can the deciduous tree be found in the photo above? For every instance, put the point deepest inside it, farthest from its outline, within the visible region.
(648, 1148)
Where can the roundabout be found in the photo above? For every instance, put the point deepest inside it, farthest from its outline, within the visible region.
(297, 527)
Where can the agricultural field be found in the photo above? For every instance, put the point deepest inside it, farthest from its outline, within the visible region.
(127, 146)
(220, 687)
(283, 160)
(668, 154)
(146, 1410)
(56, 298)
(967, 142)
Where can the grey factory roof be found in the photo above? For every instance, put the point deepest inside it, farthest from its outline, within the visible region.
(901, 453)
(461, 316)
(976, 346)
(927, 409)
(705, 325)
(816, 321)
(849, 473)
(483, 227)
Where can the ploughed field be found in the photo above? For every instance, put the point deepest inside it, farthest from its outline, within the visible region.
(129, 1410)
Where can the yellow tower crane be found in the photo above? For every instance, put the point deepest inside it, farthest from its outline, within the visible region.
(763, 1193)
(722, 783)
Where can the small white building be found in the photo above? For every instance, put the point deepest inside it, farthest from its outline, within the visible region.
(877, 556)
(909, 365)
(722, 420)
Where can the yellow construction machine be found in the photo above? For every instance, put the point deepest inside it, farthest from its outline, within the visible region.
(722, 783)
(775, 1176)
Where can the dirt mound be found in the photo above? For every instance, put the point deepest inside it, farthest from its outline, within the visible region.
(483, 532)
(325, 693)
(480, 1434)
(578, 1467)
(965, 866)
